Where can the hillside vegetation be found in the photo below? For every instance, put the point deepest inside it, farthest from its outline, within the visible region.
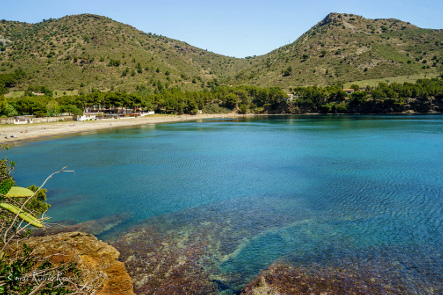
(347, 48)
(82, 53)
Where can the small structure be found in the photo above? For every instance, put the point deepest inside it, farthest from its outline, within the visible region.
(23, 119)
(147, 113)
(349, 91)
(37, 93)
(87, 117)
(290, 97)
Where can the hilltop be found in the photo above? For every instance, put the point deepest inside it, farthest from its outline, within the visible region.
(346, 48)
(85, 52)
(94, 51)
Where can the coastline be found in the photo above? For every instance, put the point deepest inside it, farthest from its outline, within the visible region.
(39, 131)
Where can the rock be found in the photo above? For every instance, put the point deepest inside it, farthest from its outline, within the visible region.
(194, 251)
(92, 256)
(95, 227)
(284, 279)
(164, 264)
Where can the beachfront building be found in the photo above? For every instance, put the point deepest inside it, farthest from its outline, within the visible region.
(87, 117)
(23, 119)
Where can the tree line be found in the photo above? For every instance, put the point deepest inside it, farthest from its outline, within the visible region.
(168, 101)
(419, 96)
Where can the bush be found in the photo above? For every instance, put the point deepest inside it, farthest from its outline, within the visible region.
(21, 272)
(215, 109)
(6, 185)
(243, 108)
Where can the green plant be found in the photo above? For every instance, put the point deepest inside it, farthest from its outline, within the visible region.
(243, 108)
(25, 216)
(23, 272)
(28, 274)
(6, 185)
(6, 167)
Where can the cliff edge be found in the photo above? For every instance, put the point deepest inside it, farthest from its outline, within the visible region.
(97, 260)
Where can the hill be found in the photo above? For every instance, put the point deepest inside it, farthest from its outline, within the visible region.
(346, 48)
(96, 52)
(84, 52)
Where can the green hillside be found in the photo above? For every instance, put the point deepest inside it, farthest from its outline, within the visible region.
(88, 51)
(80, 53)
(346, 48)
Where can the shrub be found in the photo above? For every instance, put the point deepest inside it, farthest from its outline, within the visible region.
(21, 272)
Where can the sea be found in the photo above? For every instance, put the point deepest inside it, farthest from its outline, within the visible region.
(362, 193)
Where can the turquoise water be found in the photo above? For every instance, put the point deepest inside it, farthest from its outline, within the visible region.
(304, 189)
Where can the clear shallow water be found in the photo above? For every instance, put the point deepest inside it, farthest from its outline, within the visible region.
(304, 189)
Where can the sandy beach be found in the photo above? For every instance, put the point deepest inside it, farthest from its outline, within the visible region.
(14, 133)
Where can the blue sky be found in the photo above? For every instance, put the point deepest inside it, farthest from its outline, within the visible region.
(234, 28)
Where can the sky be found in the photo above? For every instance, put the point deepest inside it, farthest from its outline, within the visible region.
(236, 28)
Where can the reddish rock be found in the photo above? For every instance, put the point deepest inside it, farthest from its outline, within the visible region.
(162, 264)
(97, 260)
(281, 279)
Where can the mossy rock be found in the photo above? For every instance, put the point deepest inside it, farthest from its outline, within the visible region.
(19, 192)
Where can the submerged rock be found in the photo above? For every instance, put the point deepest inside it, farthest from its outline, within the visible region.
(220, 249)
(195, 251)
(368, 274)
(95, 227)
(163, 263)
(284, 279)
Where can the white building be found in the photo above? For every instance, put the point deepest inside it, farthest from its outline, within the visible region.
(23, 119)
(87, 117)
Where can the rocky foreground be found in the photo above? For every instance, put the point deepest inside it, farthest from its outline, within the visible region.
(97, 260)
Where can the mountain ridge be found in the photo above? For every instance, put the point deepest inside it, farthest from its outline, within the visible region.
(341, 39)
(77, 51)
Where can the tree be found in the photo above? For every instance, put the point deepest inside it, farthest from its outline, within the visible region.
(230, 101)
(113, 63)
(355, 87)
(72, 109)
(260, 96)
(378, 94)
(53, 108)
(243, 108)
(3, 104)
(359, 96)
(10, 111)
(39, 108)
(192, 107)
(276, 95)
(288, 71)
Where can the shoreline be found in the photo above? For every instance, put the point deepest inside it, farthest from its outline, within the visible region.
(40, 131)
